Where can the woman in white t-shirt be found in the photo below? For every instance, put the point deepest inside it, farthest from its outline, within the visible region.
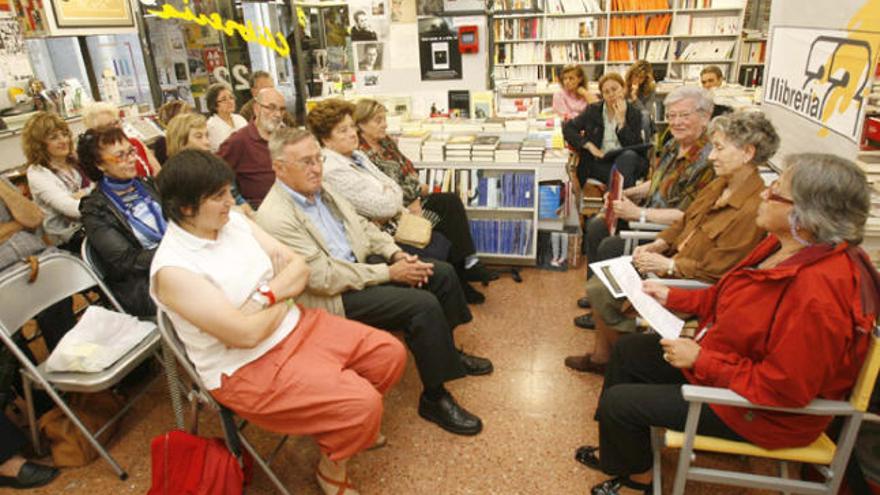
(228, 287)
(223, 121)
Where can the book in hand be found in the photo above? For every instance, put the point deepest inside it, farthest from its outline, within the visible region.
(615, 192)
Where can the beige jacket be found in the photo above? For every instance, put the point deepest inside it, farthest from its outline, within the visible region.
(281, 217)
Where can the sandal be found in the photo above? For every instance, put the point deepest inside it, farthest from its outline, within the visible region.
(586, 455)
(328, 485)
(613, 486)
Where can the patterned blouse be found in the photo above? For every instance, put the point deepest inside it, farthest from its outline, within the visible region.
(676, 181)
(395, 165)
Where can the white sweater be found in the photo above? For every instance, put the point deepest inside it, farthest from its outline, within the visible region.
(372, 193)
(55, 198)
(219, 130)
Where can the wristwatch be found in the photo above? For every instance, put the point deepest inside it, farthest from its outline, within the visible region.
(264, 295)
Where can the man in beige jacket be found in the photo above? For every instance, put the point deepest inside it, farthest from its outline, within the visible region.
(399, 292)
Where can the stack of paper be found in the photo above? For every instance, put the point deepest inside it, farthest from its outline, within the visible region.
(432, 149)
(507, 152)
(458, 148)
(483, 149)
(532, 150)
(410, 142)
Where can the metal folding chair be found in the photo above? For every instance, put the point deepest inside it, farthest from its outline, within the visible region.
(829, 458)
(199, 395)
(62, 275)
(88, 255)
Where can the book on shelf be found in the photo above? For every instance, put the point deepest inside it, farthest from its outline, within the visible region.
(640, 25)
(687, 24)
(704, 50)
(517, 5)
(633, 5)
(650, 50)
(520, 28)
(513, 237)
(572, 52)
(589, 27)
(459, 102)
(711, 4)
(574, 6)
(753, 52)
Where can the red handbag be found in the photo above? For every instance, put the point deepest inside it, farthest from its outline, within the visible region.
(186, 464)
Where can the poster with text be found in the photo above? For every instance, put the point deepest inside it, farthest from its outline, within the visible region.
(438, 49)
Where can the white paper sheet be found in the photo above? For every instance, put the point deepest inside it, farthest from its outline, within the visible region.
(661, 320)
(602, 269)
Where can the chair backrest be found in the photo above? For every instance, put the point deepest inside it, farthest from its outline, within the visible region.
(59, 275)
(864, 387)
(88, 255)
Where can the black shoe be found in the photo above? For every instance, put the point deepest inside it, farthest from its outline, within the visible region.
(613, 486)
(475, 365)
(584, 303)
(471, 295)
(479, 273)
(586, 455)
(449, 415)
(31, 475)
(585, 321)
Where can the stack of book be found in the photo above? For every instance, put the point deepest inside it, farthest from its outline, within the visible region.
(458, 148)
(410, 142)
(483, 148)
(532, 150)
(432, 149)
(507, 152)
(493, 124)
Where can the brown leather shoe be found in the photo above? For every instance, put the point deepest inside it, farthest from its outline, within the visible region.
(585, 364)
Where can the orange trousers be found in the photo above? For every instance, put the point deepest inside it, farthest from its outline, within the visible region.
(326, 380)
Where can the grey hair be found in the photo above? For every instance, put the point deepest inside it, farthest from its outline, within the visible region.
(745, 128)
(701, 98)
(284, 137)
(831, 196)
(91, 112)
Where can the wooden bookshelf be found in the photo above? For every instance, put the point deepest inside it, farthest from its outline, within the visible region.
(713, 29)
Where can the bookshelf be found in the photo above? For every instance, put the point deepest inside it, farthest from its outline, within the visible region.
(752, 56)
(503, 233)
(678, 37)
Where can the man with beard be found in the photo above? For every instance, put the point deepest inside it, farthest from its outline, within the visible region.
(247, 150)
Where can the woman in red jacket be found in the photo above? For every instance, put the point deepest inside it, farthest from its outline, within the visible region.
(789, 324)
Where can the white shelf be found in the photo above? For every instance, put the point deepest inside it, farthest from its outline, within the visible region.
(521, 41)
(641, 12)
(751, 64)
(575, 14)
(500, 209)
(704, 61)
(640, 37)
(710, 11)
(704, 36)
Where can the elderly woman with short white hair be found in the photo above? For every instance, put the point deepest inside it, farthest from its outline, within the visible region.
(103, 113)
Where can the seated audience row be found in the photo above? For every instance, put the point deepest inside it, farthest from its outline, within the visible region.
(790, 323)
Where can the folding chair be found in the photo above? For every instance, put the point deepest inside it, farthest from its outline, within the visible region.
(233, 434)
(639, 231)
(61, 275)
(88, 255)
(830, 459)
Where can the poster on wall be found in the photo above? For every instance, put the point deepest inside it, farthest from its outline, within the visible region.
(438, 49)
(92, 13)
(5, 8)
(369, 20)
(821, 76)
(31, 16)
(369, 56)
(403, 11)
(15, 67)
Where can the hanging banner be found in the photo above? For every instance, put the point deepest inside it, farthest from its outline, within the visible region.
(821, 58)
(822, 76)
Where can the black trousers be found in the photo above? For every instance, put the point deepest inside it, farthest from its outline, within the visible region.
(453, 224)
(601, 245)
(13, 439)
(426, 316)
(630, 164)
(642, 390)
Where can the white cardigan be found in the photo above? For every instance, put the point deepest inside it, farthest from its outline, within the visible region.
(55, 198)
(219, 130)
(372, 193)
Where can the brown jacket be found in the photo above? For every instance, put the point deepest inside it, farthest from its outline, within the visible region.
(710, 238)
(282, 218)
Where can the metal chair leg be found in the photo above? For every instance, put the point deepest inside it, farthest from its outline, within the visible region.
(684, 457)
(32, 415)
(656, 446)
(170, 365)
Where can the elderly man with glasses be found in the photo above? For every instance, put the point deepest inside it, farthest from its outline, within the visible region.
(357, 271)
(247, 150)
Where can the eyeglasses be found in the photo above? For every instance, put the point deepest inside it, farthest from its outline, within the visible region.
(309, 161)
(121, 156)
(271, 108)
(772, 194)
(680, 115)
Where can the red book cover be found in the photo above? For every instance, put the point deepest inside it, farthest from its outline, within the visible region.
(615, 192)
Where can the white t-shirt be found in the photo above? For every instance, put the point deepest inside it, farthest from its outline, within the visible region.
(219, 130)
(236, 264)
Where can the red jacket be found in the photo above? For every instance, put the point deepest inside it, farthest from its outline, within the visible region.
(782, 337)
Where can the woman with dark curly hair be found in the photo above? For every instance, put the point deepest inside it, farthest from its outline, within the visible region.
(122, 216)
(54, 178)
(223, 121)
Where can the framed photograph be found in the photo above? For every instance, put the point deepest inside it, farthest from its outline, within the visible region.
(92, 13)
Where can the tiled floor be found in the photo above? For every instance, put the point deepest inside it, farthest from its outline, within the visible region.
(536, 413)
